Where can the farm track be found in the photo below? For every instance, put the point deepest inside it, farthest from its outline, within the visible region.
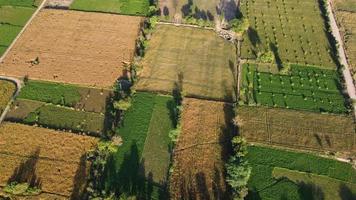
(342, 55)
(18, 84)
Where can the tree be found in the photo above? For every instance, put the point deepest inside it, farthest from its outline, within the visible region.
(238, 169)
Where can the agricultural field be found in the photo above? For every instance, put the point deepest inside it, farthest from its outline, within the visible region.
(197, 59)
(304, 88)
(297, 129)
(54, 161)
(212, 10)
(7, 90)
(345, 13)
(125, 7)
(142, 162)
(81, 48)
(280, 174)
(201, 150)
(294, 33)
(80, 98)
(13, 16)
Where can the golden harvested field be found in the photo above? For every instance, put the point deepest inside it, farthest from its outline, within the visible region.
(201, 151)
(55, 160)
(74, 47)
(297, 129)
(198, 59)
(7, 89)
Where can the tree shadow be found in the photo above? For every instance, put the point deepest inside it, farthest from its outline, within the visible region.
(79, 180)
(111, 117)
(318, 139)
(253, 37)
(202, 187)
(345, 193)
(227, 8)
(26, 172)
(165, 11)
(275, 52)
(187, 9)
(253, 194)
(310, 191)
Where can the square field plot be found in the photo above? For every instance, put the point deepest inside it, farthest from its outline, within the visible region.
(74, 47)
(197, 59)
(55, 161)
(293, 30)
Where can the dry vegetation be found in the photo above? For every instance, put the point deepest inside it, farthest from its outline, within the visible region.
(297, 129)
(7, 89)
(198, 169)
(74, 47)
(54, 161)
(198, 58)
(345, 11)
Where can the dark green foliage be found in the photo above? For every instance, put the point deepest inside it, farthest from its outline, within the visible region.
(306, 88)
(55, 93)
(262, 185)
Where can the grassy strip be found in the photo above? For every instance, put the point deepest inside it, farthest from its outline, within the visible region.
(156, 154)
(126, 7)
(22, 3)
(55, 93)
(16, 16)
(322, 187)
(305, 88)
(263, 160)
(64, 118)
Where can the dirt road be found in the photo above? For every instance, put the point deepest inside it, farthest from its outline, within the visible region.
(342, 56)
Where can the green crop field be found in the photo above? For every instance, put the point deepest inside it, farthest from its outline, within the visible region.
(196, 58)
(13, 16)
(126, 7)
(56, 117)
(81, 98)
(293, 30)
(305, 88)
(145, 129)
(297, 129)
(266, 183)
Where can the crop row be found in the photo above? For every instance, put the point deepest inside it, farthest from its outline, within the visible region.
(305, 88)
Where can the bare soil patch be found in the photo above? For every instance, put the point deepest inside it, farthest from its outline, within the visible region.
(74, 47)
(54, 161)
(201, 151)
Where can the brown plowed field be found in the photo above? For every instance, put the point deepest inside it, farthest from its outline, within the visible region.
(201, 151)
(74, 47)
(54, 160)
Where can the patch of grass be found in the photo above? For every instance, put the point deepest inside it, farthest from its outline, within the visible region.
(317, 185)
(8, 33)
(16, 16)
(263, 185)
(156, 154)
(305, 88)
(22, 3)
(55, 93)
(126, 7)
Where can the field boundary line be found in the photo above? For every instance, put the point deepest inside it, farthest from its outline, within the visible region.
(42, 192)
(186, 25)
(23, 30)
(200, 144)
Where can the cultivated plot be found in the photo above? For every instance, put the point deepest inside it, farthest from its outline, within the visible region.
(74, 47)
(279, 174)
(125, 7)
(142, 161)
(197, 59)
(303, 88)
(201, 150)
(294, 33)
(13, 16)
(210, 10)
(297, 129)
(7, 90)
(54, 161)
(345, 12)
